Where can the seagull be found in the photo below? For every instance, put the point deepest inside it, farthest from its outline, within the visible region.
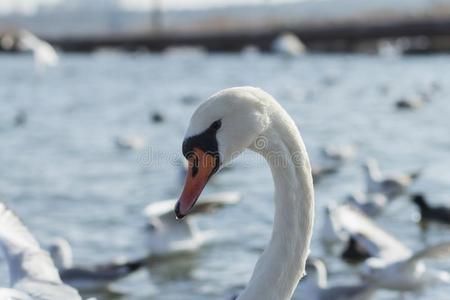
(89, 278)
(371, 204)
(315, 286)
(338, 153)
(391, 186)
(167, 235)
(319, 172)
(409, 273)
(439, 214)
(410, 104)
(130, 142)
(44, 54)
(288, 45)
(344, 222)
(33, 276)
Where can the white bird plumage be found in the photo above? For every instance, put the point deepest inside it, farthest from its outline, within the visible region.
(409, 273)
(32, 272)
(338, 153)
(315, 285)
(345, 221)
(165, 235)
(390, 185)
(252, 119)
(44, 54)
(288, 45)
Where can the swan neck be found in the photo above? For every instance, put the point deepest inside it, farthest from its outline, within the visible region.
(282, 264)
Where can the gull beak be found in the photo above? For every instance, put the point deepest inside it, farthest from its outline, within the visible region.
(201, 167)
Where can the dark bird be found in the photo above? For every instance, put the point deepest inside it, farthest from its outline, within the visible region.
(20, 118)
(440, 214)
(354, 252)
(156, 117)
(406, 103)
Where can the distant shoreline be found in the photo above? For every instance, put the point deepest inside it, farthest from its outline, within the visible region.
(325, 26)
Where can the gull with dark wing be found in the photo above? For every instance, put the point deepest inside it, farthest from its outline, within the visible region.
(33, 276)
(390, 185)
(167, 235)
(89, 277)
(346, 222)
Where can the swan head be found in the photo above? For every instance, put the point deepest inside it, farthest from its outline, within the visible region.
(219, 130)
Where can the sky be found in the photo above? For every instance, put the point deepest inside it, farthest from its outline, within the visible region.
(29, 6)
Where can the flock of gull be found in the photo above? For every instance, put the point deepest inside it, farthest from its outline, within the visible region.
(50, 273)
(349, 230)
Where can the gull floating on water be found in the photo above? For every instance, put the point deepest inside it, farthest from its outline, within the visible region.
(409, 273)
(338, 153)
(344, 222)
(167, 235)
(93, 277)
(33, 276)
(130, 142)
(315, 285)
(390, 185)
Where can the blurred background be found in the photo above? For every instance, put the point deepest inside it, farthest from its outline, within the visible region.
(96, 95)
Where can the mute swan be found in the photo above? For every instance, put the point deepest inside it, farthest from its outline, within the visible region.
(440, 214)
(222, 127)
(166, 236)
(94, 277)
(315, 285)
(409, 273)
(391, 186)
(32, 273)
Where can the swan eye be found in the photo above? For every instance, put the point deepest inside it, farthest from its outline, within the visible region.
(216, 125)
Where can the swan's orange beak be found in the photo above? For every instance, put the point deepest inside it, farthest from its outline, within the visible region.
(201, 167)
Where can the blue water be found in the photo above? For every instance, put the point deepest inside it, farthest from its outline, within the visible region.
(62, 173)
